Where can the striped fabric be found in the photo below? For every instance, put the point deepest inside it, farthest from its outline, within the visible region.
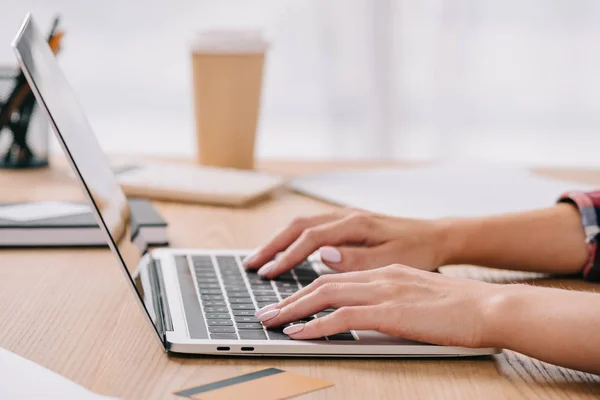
(589, 208)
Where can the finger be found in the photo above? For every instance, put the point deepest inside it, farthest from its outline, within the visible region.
(342, 320)
(354, 258)
(330, 295)
(286, 237)
(346, 277)
(349, 277)
(355, 228)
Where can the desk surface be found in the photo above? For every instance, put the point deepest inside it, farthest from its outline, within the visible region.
(71, 311)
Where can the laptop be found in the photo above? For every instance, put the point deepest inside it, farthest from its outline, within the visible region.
(197, 301)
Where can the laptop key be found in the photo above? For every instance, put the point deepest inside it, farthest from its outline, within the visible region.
(247, 320)
(217, 316)
(207, 281)
(264, 292)
(226, 261)
(211, 297)
(240, 300)
(233, 281)
(249, 326)
(265, 303)
(216, 309)
(272, 299)
(284, 285)
(261, 286)
(301, 321)
(228, 336)
(221, 329)
(277, 334)
(220, 322)
(232, 277)
(252, 335)
(213, 303)
(204, 285)
(244, 313)
(204, 291)
(243, 307)
(233, 295)
(201, 260)
(237, 288)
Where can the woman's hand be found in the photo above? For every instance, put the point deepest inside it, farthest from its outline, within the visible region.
(351, 240)
(395, 300)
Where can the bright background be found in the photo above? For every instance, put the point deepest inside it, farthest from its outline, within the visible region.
(513, 81)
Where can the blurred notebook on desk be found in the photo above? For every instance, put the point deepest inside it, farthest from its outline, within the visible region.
(460, 190)
(195, 184)
(66, 224)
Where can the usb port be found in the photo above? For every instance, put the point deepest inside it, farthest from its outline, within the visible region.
(222, 348)
(247, 348)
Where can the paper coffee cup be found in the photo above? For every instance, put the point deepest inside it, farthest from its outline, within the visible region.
(227, 67)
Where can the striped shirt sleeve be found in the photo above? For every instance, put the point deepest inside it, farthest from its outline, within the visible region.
(589, 209)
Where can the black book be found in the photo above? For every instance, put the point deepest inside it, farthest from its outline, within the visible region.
(64, 224)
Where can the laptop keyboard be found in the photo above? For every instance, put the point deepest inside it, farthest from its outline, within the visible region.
(230, 296)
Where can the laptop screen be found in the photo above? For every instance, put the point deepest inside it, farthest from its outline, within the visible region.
(55, 96)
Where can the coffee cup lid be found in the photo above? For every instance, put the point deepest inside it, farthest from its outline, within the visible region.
(229, 41)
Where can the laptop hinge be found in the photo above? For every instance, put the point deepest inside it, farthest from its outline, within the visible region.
(159, 298)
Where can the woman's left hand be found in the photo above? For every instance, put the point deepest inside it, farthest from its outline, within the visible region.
(394, 300)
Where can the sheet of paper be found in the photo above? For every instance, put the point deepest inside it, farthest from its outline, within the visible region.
(435, 191)
(25, 212)
(23, 379)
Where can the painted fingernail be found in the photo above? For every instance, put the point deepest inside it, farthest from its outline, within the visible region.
(268, 315)
(265, 269)
(330, 254)
(265, 309)
(249, 259)
(293, 329)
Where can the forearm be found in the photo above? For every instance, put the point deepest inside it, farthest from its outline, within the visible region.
(549, 240)
(557, 326)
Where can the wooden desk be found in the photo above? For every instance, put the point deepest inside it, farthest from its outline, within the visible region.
(71, 311)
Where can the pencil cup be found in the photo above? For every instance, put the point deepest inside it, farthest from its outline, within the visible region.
(227, 69)
(24, 134)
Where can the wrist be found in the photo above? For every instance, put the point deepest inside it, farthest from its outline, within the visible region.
(498, 313)
(451, 236)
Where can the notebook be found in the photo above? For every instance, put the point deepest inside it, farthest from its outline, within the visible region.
(66, 224)
(459, 190)
(195, 184)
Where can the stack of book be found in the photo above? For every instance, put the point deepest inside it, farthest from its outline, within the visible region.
(64, 224)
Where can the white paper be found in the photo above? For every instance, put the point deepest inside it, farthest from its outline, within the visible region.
(459, 190)
(24, 379)
(26, 212)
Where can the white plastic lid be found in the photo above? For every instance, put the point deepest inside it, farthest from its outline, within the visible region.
(230, 41)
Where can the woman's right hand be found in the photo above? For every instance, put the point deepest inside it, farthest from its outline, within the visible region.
(351, 240)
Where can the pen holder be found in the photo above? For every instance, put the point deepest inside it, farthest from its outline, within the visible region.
(24, 139)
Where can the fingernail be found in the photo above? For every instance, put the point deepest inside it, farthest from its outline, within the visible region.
(265, 309)
(268, 315)
(249, 259)
(330, 254)
(293, 329)
(265, 269)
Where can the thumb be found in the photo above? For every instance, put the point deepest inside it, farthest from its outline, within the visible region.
(350, 258)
